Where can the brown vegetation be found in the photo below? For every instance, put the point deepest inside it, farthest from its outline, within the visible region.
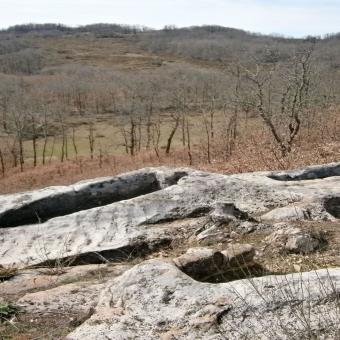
(103, 99)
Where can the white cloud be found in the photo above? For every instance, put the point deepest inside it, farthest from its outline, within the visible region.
(267, 16)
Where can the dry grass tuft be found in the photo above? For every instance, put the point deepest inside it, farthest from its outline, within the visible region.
(7, 272)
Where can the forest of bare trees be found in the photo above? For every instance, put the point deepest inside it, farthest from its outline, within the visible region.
(250, 83)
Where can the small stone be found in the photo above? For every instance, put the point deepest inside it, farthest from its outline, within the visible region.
(234, 234)
(289, 213)
(198, 262)
(295, 240)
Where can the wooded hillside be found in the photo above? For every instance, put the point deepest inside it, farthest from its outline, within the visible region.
(114, 97)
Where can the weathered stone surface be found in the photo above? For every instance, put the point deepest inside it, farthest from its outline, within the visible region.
(119, 217)
(44, 278)
(308, 173)
(295, 240)
(223, 221)
(68, 298)
(150, 211)
(213, 233)
(290, 213)
(37, 206)
(200, 262)
(155, 300)
(224, 212)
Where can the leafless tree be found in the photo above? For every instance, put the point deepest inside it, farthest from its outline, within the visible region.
(282, 109)
(176, 120)
(2, 163)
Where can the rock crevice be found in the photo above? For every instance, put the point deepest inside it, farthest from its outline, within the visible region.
(30, 208)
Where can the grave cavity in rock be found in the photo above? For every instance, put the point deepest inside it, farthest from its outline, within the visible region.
(208, 265)
(308, 173)
(332, 206)
(89, 196)
(118, 255)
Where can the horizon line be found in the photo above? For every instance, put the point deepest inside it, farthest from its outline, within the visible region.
(273, 34)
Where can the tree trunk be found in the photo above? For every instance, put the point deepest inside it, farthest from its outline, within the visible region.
(21, 153)
(172, 133)
(2, 162)
(189, 143)
(91, 140)
(74, 143)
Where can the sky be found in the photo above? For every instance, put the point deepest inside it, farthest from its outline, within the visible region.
(288, 17)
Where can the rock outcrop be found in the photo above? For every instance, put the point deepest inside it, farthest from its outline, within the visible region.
(168, 254)
(155, 300)
(296, 240)
(113, 218)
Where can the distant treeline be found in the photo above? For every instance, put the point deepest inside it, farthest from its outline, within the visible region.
(55, 29)
(290, 86)
(19, 55)
(103, 28)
